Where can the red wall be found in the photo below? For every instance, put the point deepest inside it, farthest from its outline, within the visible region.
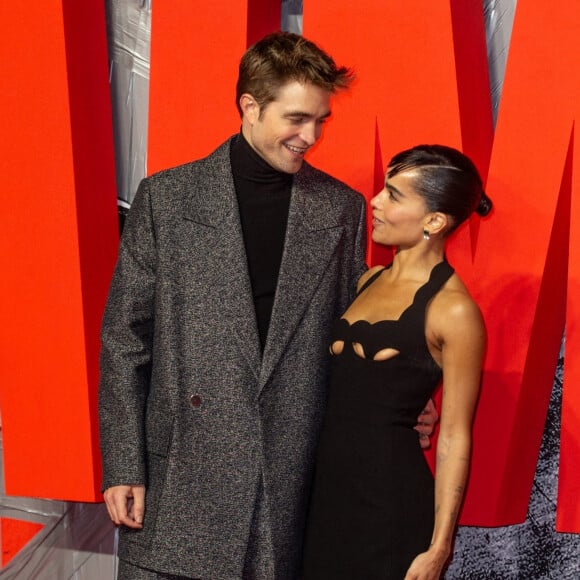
(58, 242)
(422, 77)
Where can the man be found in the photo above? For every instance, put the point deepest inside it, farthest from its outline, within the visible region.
(214, 343)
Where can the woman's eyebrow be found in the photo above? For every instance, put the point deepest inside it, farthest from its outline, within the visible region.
(393, 189)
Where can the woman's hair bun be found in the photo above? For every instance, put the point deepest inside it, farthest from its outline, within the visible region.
(485, 205)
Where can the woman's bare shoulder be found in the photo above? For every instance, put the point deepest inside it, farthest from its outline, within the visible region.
(453, 307)
(367, 275)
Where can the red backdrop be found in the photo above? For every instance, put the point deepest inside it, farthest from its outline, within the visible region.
(58, 242)
(422, 77)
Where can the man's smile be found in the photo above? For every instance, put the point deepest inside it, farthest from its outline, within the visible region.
(294, 149)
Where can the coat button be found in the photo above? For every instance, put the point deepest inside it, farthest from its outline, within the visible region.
(195, 401)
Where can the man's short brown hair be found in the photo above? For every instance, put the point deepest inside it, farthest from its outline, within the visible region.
(282, 57)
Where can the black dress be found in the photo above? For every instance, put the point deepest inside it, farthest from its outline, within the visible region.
(372, 505)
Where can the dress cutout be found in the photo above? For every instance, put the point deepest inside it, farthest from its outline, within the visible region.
(372, 503)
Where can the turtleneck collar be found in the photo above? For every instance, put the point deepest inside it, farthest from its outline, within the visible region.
(249, 166)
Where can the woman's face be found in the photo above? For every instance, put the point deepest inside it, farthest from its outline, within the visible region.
(398, 211)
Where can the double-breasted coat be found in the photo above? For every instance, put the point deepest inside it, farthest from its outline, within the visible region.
(222, 435)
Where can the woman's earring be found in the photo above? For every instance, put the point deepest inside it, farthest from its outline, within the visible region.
(426, 235)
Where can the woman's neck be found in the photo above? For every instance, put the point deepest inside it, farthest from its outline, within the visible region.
(418, 261)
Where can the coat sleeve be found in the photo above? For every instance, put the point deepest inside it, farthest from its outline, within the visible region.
(126, 349)
(360, 247)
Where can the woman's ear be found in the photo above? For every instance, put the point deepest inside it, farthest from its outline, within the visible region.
(436, 223)
(250, 108)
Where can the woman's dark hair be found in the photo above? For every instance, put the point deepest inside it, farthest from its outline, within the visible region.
(448, 181)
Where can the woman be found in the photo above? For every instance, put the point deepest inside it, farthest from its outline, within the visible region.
(376, 511)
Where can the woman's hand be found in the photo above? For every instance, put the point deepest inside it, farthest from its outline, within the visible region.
(428, 565)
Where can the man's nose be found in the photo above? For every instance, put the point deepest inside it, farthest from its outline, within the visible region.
(310, 133)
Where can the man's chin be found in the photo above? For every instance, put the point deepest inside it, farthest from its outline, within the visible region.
(292, 167)
(296, 169)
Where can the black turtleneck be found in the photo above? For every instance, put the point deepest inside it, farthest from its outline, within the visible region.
(264, 199)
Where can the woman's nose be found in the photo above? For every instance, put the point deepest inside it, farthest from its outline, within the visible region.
(376, 200)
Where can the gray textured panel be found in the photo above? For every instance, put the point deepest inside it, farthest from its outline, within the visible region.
(499, 19)
(129, 31)
(532, 550)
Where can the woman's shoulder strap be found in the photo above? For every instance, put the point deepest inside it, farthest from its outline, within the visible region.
(439, 275)
(371, 279)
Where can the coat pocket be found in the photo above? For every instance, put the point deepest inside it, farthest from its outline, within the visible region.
(159, 433)
(159, 437)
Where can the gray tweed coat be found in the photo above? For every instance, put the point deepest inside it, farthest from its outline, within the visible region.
(222, 437)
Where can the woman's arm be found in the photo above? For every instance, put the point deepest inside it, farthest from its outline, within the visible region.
(456, 321)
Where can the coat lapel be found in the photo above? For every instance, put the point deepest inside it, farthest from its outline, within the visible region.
(312, 235)
(213, 203)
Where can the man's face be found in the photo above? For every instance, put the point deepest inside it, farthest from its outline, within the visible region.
(288, 126)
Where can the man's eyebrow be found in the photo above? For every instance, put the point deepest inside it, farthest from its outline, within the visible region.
(305, 114)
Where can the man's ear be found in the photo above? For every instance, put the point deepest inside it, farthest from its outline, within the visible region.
(437, 222)
(250, 108)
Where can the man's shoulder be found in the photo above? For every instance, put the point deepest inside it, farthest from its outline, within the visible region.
(315, 177)
(318, 180)
(217, 160)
